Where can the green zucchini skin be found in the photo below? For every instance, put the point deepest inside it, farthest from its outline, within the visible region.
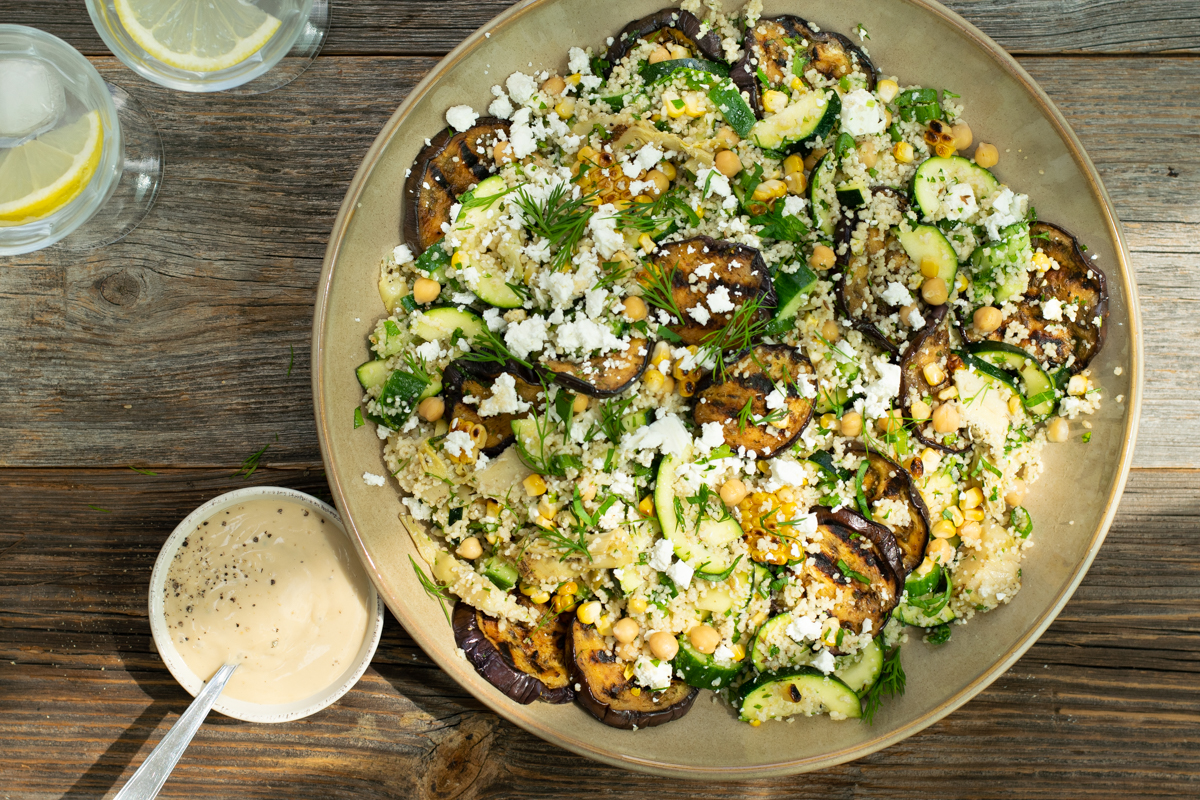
(702, 670)
(803, 691)
(440, 322)
(939, 172)
(1018, 369)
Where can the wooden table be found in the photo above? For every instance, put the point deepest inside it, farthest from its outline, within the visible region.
(185, 348)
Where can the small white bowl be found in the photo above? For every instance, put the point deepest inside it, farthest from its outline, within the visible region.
(240, 709)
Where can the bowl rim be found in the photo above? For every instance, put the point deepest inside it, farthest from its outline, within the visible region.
(579, 745)
(192, 683)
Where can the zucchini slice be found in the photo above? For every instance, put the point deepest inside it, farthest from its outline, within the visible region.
(448, 166)
(803, 691)
(492, 286)
(927, 600)
(1080, 289)
(698, 267)
(993, 262)
(441, 322)
(1019, 370)
(822, 195)
(605, 375)
(669, 25)
(859, 672)
(931, 347)
(885, 479)
(760, 651)
(927, 243)
(372, 374)
(853, 194)
(609, 696)
(526, 663)
(939, 173)
(738, 396)
(705, 547)
(798, 121)
(702, 670)
(791, 290)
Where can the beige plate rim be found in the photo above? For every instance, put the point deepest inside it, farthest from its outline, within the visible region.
(628, 760)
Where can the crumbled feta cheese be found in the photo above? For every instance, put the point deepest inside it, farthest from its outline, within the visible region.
(419, 510)
(504, 399)
(371, 479)
(383, 432)
(960, 203)
(699, 313)
(824, 662)
(718, 300)
(896, 294)
(666, 434)
(595, 301)
(501, 107)
(613, 517)
(776, 399)
(647, 158)
(862, 113)
(661, 554)
(803, 629)
(713, 181)
(458, 443)
(1052, 309)
(582, 335)
(787, 471)
(681, 574)
(494, 319)
(402, 254)
(881, 392)
(429, 351)
(1008, 208)
(578, 61)
(652, 674)
(520, 87)
(915, 320)
(603, 227)
(461, 117)
(526, 336)
(723, 655)
(793, 206)
(520, 134)
(712, 436)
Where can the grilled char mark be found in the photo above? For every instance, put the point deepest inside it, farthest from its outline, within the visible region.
(604, 375)
(885, 479)
(461, 383)
(750, 379)
(853, 545)
(667, 25)
(608, 695)
(767, 47)
(448, 166)
(524, 663)
(698, 266)
(1077, 281)
(931, 346)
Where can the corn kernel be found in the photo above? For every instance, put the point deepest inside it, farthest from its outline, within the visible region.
(540, 598)
(774, 101)
(694, 104)
(646, 506)
(962, 281)
(493, 509)
(903, 152)
(796, 85)
(565, 107)
(828, 421)
(1077, 386)
(563, 603)
(589, 612)
(971, 498)
(528, 590)
(542, 522)
(535, 485)
(668, 169)
(887, 90)
(546, 508)
(943, 529)
(949, 393)
(604, 625)
(1014, 405)
(974, 514)
(934, 374)
(1041, 261)
(943, 149)
(458, 260)
(653, 380)
(637, 605)
(739, 652)
(769, 190)
(646, 243)
(956, 515)
(570, 587)
(674, 106)
(575, 79)
(929, 268)
(635, 691)
(930, 459)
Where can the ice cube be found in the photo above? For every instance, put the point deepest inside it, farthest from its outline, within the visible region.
(31, 100)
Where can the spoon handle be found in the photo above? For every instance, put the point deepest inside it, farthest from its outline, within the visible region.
(154, 771)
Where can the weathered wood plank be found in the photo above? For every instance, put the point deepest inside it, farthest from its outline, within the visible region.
(83, 698)
(421, 27)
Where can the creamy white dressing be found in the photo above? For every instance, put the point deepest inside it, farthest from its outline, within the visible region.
(272, 586)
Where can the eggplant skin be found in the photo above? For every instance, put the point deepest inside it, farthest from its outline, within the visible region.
(445, 168)
(931, 346)
(887, 479)
(605, 375)
(1076, 281)
(831, 54)
(740, 269)
(460, 382)
(863, 546)
(525, 665)
(749, 378)
(671, 24)
(606, 693)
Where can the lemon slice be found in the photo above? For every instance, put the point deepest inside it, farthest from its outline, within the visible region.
(44, 174)
(197, 35)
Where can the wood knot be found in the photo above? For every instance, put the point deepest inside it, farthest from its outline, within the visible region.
(455, 763)
(121, 288)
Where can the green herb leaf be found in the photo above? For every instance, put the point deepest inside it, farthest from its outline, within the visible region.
(250, 465)
(849, 573)
(437, 591)
(891, 682)
(143, 471)
(860, 496)
(358, 419)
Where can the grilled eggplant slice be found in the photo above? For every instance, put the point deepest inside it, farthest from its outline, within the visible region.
(604, 375)
(1077, 282)
(750, 379)
(448, 166)
(767, 48)
(930, 347)
(608, 695)
(665, 26)
(524, 663)
(885, 479)
(854, 291)
(697, 267)
(462, 381)
(852, 569)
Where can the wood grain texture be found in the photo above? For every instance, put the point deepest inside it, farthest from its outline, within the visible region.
(1108, 700)
(422, 27)
(197, 314)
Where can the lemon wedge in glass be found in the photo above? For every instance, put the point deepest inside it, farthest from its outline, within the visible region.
(197, 35)
(42, 175)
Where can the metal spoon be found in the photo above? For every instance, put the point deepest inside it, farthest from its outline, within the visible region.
(154, 771)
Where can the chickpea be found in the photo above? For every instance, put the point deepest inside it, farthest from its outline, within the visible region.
(626, 630)
(470, 548)
(431, 409)
(920, 410)
(906, 315)
(1016, 493)
(987, 319)
(795, 182)
(661, 181)
(868, 154)
(935, 292)
(659, 53)
(970, 531)
(822, 257)
(663, 645)
(986, 155)
(945, 418)
(1058, 430)
(704, 638)
(852, 424)
(733, 491)
(554, 85)
(941, 551)
(426, 290)
(728, 136)
(635, 308)
(501, 153)
(728, 163)
(580, 403)
(962, 135)
(812, 158)
(831, 331)
(891, 422)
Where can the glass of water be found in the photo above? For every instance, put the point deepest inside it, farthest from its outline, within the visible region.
(214, 45)
(80, 162)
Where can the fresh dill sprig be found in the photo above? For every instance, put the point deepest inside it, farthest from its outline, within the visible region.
(561, 220)
(657, 288)
(653, 216)
(610, 273)
(566, 545)
(435, 590)
(143, 471)
(487, 347)
(740, 332)
(98, 508)
(891, 682)
(250, 465)
(417, 367)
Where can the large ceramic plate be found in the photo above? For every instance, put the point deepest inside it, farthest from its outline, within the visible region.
(1073, 504)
